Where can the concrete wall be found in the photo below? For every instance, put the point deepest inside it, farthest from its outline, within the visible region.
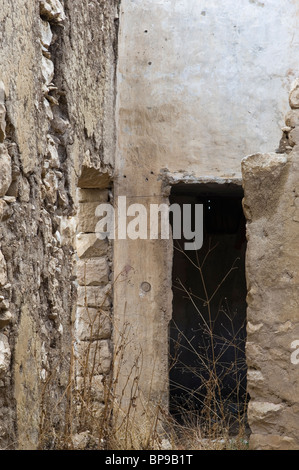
(203, 83)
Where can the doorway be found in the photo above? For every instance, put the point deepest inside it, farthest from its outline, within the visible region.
(207, 333)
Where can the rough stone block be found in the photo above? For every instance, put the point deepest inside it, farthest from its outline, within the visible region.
(13, 189)
(263, 416)
(88, 245)
(92, 195)
(87, 219)
(2, 122)
(294, 136)
(92, 324)
(92, 271)
(94, 296)
(93, 178)
(52, 10)
(94, 358)
(51, 186)
(47, 70)
(4, 303)
(254, 354)
(292, 118)
(5, 318)
(24, 190)
(3, 270)
(2, 113)
(5, 170)
(255, 380)
(294, 95)
(52, 153)
(272, 442)
(5, 355)
(92, 387)
(4, 210)
(45, 33)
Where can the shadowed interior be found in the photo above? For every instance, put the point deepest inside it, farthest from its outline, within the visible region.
(207, 332)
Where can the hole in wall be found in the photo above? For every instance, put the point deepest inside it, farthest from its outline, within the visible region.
(207, 333)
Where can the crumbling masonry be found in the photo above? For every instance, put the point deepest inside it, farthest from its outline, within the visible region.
(57, 121)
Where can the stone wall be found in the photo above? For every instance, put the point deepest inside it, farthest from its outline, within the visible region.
(272, 211)
(57, 97)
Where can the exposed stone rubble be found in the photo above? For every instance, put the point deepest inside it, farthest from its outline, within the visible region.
(271, 208)
(35, 331)
(290, 131)
(52, 10)
(2, 113)
(4, 355)
(5, 287)
(57, 163)
(56, 95)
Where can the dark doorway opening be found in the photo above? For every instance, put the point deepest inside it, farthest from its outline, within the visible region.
(207, 333)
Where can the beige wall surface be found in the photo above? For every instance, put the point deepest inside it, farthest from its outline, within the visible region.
(202, 84)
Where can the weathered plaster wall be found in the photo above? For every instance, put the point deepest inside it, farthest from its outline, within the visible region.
(200, 86)
(56, 120)
(204, 83)
(271, 208)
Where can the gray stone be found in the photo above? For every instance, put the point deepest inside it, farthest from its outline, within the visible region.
(2, 113)
(3, 270)
(47, 70)
(5, 170)
(45, 33)
(5, 355)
